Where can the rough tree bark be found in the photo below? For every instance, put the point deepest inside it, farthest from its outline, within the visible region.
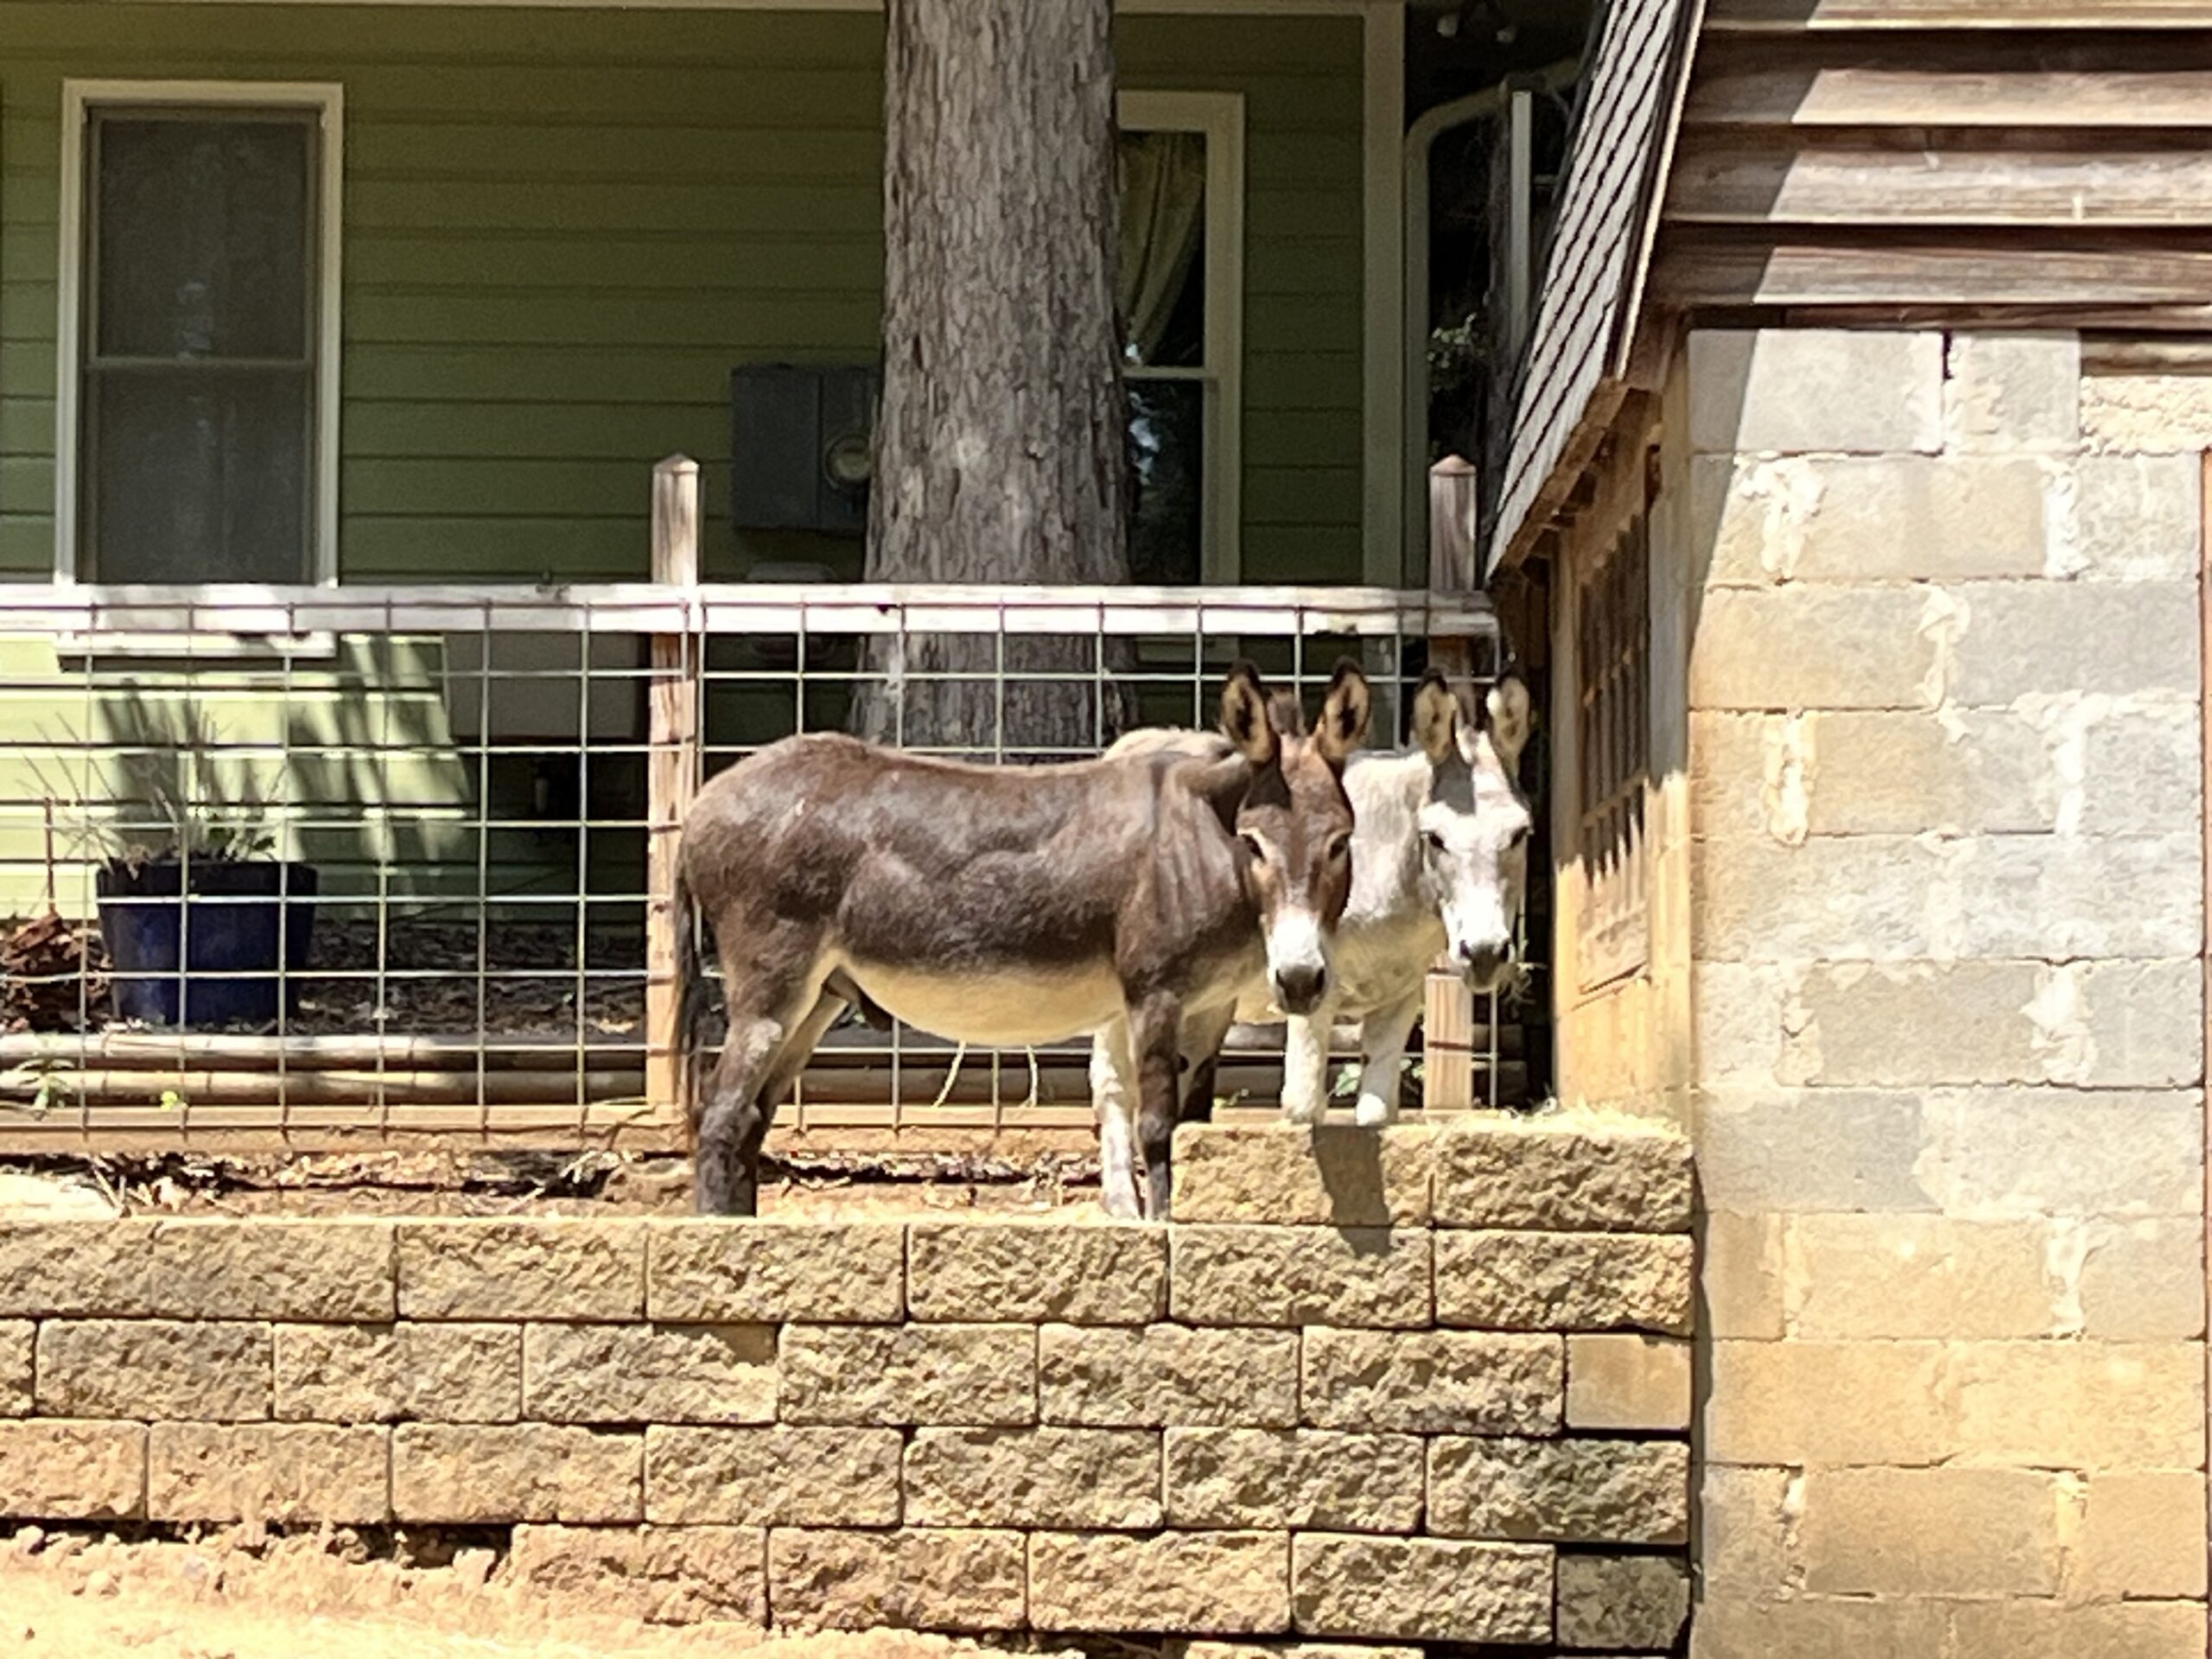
(1001, 447)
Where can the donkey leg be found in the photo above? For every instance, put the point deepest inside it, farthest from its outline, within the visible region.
(1383, 1052)
(1203, 1036)
(1113, 1098)
(772, 995)
(1305, 1065)
(1155, 1032)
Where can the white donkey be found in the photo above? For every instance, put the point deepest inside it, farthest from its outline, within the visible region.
(1440, 863)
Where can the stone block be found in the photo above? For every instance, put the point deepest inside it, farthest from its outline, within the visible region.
(975, 1374)
(1815, 390)
(1228, 1582)
(1826, 1627)
(681, 1575)
(1747, 1527)
(388, 1373)
(2032, 1152)
(258, 1269)
(1741, 1013)
(2057, 897)
(1742, 1275)
(1836, 898)
(1819, 646)
(2126, 1025)
(1433, 1381)
(493, 1475)
(16, 1342)
(2142, 1536)
(1102, 1479)
(1930, 1532)
(773, 1477)
(1329, 1175)
(2147, 414)
(2005, 393)
(2054, 1629)
(63, 1470)
(1092, 1273)
(1830, 1402)
(1165, 1374)
(1565, 1492)
(1903, 1024)
(2142, 1280)
(942, 1580)
(1638, 1602)
(1420, 1589)
(650, 1373)
(1980, 772)
(2141, 772)
(559, 1268)
(2091, 1406)
(2134, 518)
(1628, 1382)
(1565, 1172)
(773, 1273)
(1300, 1275)
(288, 1473)
(2043, 638)
(1930, 1276)
(1564, 1281)
(1766, 1150)
(1287, 1651)
(1293, 1478)
(213, 1370)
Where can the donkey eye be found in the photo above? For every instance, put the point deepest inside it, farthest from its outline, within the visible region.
(1518, 838)
(1255, 846)
(1340, 848)
(1434, 841)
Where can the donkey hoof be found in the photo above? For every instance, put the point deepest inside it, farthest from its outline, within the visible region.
(1301, 1112)
(1373, 1112)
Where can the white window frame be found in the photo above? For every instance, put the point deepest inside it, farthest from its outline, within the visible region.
(79, 99)
(1219, 118)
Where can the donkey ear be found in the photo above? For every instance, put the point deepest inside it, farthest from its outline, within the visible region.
(1436, 718)
(1345, 712)
(1244, 715)
(1509, 715)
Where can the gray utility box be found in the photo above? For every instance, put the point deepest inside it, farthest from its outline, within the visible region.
(801, 438)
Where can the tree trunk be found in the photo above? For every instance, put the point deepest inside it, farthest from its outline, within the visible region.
(1001, 447)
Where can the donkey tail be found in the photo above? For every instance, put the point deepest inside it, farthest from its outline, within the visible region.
(690, 997)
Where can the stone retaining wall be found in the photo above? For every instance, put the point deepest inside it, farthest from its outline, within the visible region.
(1428, 1386)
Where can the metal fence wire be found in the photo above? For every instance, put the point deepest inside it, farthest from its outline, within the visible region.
(335, 865)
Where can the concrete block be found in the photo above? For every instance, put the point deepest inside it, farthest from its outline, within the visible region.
(2018, 639)
(1565, 1171)
(773, 1477)
(1742, 1013)
(2143, 1280)
(2054, 1629)
(2090, 1406)
(1229, 1582)
(1165, 1375)
(1742, 1275)
(1929, 1276)
(1899, 1024)
(979, 1375)
(1332, 1175)
(491, 1475)
(650, 1373)
(663, 1575)
(1986, 771)
(1433, 1381)
(1931, 1532)
(1830, 1402)
(1305, 1478)
(258, 1269)
(2057, 897)
(1566, 1491)
(1746, 1523)
(1824, 646)
(773, 1272)
(943, 1580)
(1849, 897)
(1564, 1281)
(2147, 414)
(2005, 393)
(1810, 391)
(1101, 1479)
(1766, 1150)
(2030, 1151)
(2126, 1025)
(211, 1370)
(1420, 1589)
(63, 1471)
(1628, 1382)
(995, 1270)
(2134, 518)
(1621, 1601)
(2142, 1536)
(1285, 1651)
(1748, 772)
(2141, 773)
(16, 1341)
(385, 1373)
(1300, 1275)
(1824, 1627)
(509, 1270)
(288, 1473)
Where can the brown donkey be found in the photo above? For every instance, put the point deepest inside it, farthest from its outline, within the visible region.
(1010, 906)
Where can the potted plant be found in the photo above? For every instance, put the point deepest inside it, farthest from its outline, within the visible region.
(206, 926)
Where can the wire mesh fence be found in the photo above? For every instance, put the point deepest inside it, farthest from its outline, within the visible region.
(323, 865)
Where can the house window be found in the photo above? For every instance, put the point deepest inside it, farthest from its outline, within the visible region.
(199, 372)
(1181, 176)
(1612, 657)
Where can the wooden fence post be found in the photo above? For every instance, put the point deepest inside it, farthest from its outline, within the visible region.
(672, 778)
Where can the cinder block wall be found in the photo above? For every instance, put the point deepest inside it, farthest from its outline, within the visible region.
(1947, 918)
(1407, 1387)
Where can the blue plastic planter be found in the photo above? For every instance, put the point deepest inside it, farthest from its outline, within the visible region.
(143, 921)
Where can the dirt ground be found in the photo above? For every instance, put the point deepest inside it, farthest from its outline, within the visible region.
(237, 1596)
